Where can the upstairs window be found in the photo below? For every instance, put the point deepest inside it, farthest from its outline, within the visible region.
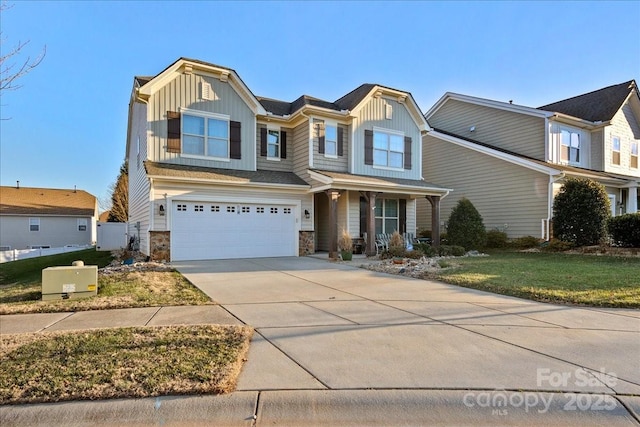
(273, 143)
(570, 146)
(615, 150)
(388, 149)
(331, 140)
(198, 133)
(633, 159)
(204, 136)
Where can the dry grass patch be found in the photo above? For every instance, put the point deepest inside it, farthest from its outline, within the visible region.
(121, 363)
(115, 290)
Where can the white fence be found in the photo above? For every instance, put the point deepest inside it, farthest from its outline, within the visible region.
(16, 254)
(111, 236)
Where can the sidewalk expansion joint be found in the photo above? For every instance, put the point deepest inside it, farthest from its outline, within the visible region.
(152, 316)
(56, 322)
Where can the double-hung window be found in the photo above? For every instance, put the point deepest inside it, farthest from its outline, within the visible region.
(34, 224)
(82, 224)
(615, 150)
(205, 135)
(273, 143)
(387, 216)
(570, 146)
(331, 140)
(388, 149)
(633, 159)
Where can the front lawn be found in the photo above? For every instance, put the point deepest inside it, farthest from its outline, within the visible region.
(20, 287)
(121, 363)
(607, 281)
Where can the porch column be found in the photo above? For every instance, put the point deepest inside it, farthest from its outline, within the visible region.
(435, 219)
(632, 200)
(370, 197)
(333, 196)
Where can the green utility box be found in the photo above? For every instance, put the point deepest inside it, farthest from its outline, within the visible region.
(69, 282)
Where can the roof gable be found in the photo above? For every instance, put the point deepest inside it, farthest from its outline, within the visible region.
(597, 106)
(46, 201)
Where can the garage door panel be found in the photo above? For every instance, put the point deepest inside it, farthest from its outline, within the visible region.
(222, 230)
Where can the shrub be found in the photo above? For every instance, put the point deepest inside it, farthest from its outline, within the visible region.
(525, 242)
(414, 254)
(424, 232)
(396, 241)
(580, 212)
(465, 227)
(496, 239)
(345, 243)
(450, 250)
(393, 252)
(426, 249)
(557, 245)
(625, 230)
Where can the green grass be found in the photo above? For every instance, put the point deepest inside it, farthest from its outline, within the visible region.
(29, 271)
(20, 287)
(121, 363)
(606, 281)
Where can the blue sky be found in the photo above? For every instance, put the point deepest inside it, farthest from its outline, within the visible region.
(67, 125)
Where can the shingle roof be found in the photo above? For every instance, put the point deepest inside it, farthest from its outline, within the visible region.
(353, 98)
(143, 80)
(228, 175)
(599, 105)
(46, 201)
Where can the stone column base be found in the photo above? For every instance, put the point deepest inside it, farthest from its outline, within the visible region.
(160, 245)
(306, 243)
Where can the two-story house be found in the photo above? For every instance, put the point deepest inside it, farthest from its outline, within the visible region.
(511, 160)
(216, 172)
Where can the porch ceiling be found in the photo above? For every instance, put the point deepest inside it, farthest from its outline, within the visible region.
(346, 181)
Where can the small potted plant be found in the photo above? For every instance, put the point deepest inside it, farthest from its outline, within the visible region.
(345, 244)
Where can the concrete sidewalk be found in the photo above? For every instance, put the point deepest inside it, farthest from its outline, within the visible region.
(336, 344)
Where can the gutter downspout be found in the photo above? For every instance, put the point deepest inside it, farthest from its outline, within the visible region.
(552, 180)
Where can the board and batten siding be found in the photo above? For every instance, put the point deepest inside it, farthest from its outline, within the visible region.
(373, 114)
(184, 92)
(516, 132)
(625, 126)
(279, 164)
(505, 194)
(139, 187)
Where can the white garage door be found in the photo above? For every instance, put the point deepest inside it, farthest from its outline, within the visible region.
(206, 230)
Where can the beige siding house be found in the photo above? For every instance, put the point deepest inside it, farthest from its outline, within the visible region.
(34, 218)
(511, 160)
(217, 172)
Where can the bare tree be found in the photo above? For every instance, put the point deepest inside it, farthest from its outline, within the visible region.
(11, 67)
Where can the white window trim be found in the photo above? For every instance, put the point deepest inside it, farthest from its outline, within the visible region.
(619, 151)
(335, 125)
(206, 115)
(277, 129)
(34, 223)
(631, 155)
(384, 217)
(582, 148)
(394, 132)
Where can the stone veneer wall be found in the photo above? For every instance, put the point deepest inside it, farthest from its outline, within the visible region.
(160, 245)
(307, 243)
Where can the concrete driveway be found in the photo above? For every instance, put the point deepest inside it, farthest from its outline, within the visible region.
(331, 326)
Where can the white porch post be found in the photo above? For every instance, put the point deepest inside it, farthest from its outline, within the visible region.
(632, 200)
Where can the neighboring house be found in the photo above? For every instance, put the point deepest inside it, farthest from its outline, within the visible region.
(33, 218)
(216, 172)
(104, 216)
(511, 160)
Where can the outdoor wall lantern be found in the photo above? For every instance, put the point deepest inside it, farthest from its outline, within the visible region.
(161, 210)
(307, 215)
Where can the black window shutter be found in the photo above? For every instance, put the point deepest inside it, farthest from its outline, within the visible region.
(407, 152)
(283, 144)
(368, 147)
(173, 132)
(263, 142)
(403, 216)
(235, 146)
(321, 138)
(340, 139)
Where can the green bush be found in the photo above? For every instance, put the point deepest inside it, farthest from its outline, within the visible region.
(451, 250)
(414, 254)
(525, 242)
(496, 239)
(425, 248)
(625, 230)
(393, 252)
(424, 232)
(580, 212)
(556, 245)
(465, 227)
